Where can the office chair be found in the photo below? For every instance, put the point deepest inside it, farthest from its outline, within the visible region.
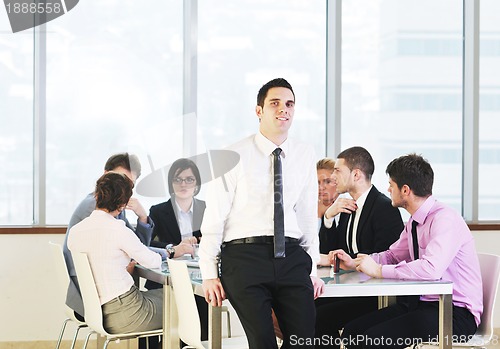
(490, 274)
(63, 279)
(189, 320)
(93, 310)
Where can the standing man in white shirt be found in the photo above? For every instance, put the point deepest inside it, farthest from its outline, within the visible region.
(239, 225)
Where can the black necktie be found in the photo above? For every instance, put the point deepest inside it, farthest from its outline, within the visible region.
(279, 220)
(349, 235)
(415, 239)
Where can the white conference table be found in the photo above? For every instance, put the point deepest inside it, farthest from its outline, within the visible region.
(336, 285)
(348, 284)
(170, 337)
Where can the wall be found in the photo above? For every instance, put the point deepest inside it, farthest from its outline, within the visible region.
(29, 304)
(29, 307)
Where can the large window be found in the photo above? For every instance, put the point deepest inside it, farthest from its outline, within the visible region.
(402, 85)
(244, 44)
(16, 125)
(117, 77)
(114, 84)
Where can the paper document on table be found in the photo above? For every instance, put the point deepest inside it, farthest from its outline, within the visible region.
(193, 263)
(190, 261)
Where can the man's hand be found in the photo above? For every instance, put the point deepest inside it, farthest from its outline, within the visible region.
(182, 249)
(318, 285)
(134, 205)
(214, 292)
(190, 240)
(346, 262)
(341, 205)
(367, 265)
(131, 266)
(324, 260)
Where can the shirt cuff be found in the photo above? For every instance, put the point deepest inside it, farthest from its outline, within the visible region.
(314, 270)
(389, 271)
(208, 270)
(149, 224)
(161, 251)
(328, 221)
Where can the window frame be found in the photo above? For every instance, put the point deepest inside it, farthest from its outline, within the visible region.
(333, 107)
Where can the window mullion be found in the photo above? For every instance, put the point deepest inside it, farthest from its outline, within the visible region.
(333, 76)
(470, 139)
(190, 77)
(39, 125)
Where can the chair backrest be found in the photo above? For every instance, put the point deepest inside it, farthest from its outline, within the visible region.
(490, 274)
(62, 277)
(189, 320)
(60, 267)
(91, 302)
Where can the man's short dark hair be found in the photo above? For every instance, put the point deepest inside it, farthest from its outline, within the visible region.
(130, 162)
(279, 82)
(358, 157)
(414, 171)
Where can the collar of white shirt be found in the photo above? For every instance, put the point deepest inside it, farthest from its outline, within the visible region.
(267, 147)
(361, 200)
(179, 210)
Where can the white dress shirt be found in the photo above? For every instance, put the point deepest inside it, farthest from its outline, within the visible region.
(110, 245)
(329, 221)
(240, 203)
(360, 203)
(185, 221)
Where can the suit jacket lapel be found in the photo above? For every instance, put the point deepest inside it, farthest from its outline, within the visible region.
(342, 229)
(198, 211)
(365, 213)
(171, 221)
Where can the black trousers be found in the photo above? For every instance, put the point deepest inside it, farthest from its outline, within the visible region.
(332, 314)
(398, 326)
(255, 282)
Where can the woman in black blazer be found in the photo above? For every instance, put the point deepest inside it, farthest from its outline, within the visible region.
(179, 219)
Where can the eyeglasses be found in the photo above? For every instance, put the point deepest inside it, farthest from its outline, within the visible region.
(187, 180)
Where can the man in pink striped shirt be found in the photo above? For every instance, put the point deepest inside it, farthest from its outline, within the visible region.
(440, 246)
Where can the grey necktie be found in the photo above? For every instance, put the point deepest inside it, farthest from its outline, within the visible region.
(279, 219)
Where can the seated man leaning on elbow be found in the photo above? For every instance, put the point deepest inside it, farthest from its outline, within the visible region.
(444, 249)
(368, 223)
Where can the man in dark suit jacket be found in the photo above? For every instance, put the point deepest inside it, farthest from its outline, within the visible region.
(368, 223)
(327, 237)
(379, 225)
